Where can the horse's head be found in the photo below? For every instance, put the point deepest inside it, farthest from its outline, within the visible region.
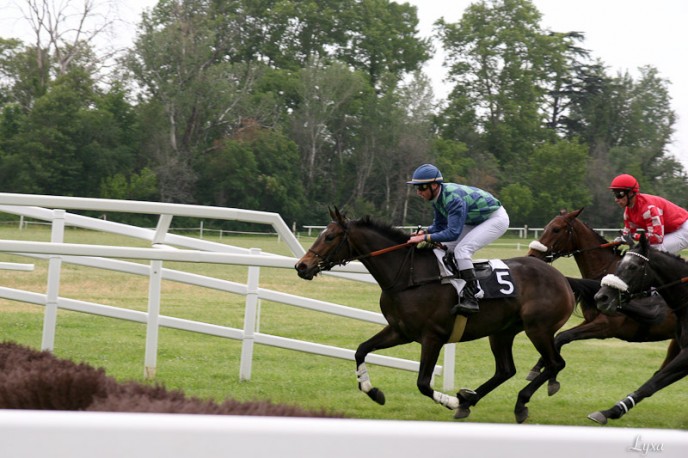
(633, 275)
(557, 239)
(329, 249)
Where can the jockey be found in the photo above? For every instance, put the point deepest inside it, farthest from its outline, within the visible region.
(466, 220)
(665, 223)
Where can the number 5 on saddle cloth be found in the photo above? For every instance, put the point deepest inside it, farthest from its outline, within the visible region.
(494, 276)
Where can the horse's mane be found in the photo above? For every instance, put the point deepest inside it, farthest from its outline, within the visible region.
(386, 229)
(671, 255)
(599, 236)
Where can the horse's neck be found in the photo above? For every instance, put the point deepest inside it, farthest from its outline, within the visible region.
(384, 267)
(593, 262)
(669, 275)
(596, 265)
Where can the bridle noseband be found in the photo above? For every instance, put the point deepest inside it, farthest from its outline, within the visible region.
(625, 296)
(326, 263)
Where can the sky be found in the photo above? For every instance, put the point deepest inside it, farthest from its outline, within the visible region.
(624, 34)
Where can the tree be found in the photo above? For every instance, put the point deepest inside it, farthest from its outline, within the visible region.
(556, 171)
(179, 60)
(326, 93)
(382, 39)
(500, 62)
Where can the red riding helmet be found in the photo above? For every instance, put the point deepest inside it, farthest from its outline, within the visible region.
(625, 182)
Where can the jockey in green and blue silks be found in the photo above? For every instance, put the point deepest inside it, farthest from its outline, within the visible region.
(466, 219)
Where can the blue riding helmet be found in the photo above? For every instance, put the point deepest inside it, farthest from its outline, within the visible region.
(426, 173)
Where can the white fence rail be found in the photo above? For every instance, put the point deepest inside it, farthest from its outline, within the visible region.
(33, 434)
(522, 231)
(195, 251)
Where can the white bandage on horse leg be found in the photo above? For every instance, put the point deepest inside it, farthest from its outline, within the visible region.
(451, 402)
(363, 378)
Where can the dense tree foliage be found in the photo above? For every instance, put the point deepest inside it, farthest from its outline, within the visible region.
(292, 106)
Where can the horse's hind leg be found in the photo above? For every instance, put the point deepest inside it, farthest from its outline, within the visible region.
(501, 346)
(585, 330)
(386, 338)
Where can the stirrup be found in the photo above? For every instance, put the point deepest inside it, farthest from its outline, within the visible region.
(465, 307)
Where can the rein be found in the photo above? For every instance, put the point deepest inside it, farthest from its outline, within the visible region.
(569, 230)
(379, 252)
(326, 263)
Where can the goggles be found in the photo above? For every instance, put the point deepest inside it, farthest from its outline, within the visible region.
(422, 187)
(620, 193)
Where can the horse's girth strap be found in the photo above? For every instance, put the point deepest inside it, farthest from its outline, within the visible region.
(459, 327)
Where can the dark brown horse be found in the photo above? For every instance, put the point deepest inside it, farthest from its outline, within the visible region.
(642, 268)
(566, 235)
(417, 308)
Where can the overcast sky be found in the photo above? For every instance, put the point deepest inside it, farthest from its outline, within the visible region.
(625, 34)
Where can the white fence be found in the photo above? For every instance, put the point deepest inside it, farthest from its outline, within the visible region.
(522, 231)
(166, 247)
(32, 434)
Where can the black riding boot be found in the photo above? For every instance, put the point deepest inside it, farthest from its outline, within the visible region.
(468, 303)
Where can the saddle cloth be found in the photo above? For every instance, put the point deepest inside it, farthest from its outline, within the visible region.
(493, 275)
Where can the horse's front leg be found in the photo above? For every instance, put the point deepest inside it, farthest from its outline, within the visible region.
(386, 338)
(675, 370)
(430, 352)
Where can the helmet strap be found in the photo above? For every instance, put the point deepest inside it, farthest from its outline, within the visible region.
(434, 190)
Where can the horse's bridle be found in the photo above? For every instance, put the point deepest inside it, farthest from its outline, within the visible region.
(326, 263)
(613, 281)
(554, 255)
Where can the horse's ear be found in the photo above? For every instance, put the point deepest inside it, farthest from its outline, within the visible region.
(575, 213)
(644, 242)
(337, 216)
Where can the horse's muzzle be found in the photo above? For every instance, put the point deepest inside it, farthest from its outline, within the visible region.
(608, 300)
(305, 272)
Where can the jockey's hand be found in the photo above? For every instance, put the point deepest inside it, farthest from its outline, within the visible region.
(417, 238)
(424, 245)
(625, 239)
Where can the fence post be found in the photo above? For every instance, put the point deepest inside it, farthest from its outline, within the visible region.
(153, 319)
(448, 367)
(154, 293)
(250, 318)
(54, 268)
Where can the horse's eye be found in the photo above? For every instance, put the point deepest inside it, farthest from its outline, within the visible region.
(556, 230)
(329, 237)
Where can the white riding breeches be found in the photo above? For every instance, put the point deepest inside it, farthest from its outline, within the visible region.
(675, 241)
(473, 238)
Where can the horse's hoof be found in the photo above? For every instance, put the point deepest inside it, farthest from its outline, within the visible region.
(532, 374)
(377, 396)
(553, 387)
(467, 395)
(521, 415)
(598, 417)
(462, 412)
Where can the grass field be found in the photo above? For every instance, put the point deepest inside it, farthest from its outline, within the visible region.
(598, 373)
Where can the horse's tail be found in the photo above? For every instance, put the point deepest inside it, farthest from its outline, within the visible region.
(584, 290)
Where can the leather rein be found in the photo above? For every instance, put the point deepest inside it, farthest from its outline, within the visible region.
(565, 254)
(327, 263)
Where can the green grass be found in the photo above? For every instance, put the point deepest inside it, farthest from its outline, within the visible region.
(598, 373)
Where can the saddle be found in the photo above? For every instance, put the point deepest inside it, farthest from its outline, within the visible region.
(493, 275)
